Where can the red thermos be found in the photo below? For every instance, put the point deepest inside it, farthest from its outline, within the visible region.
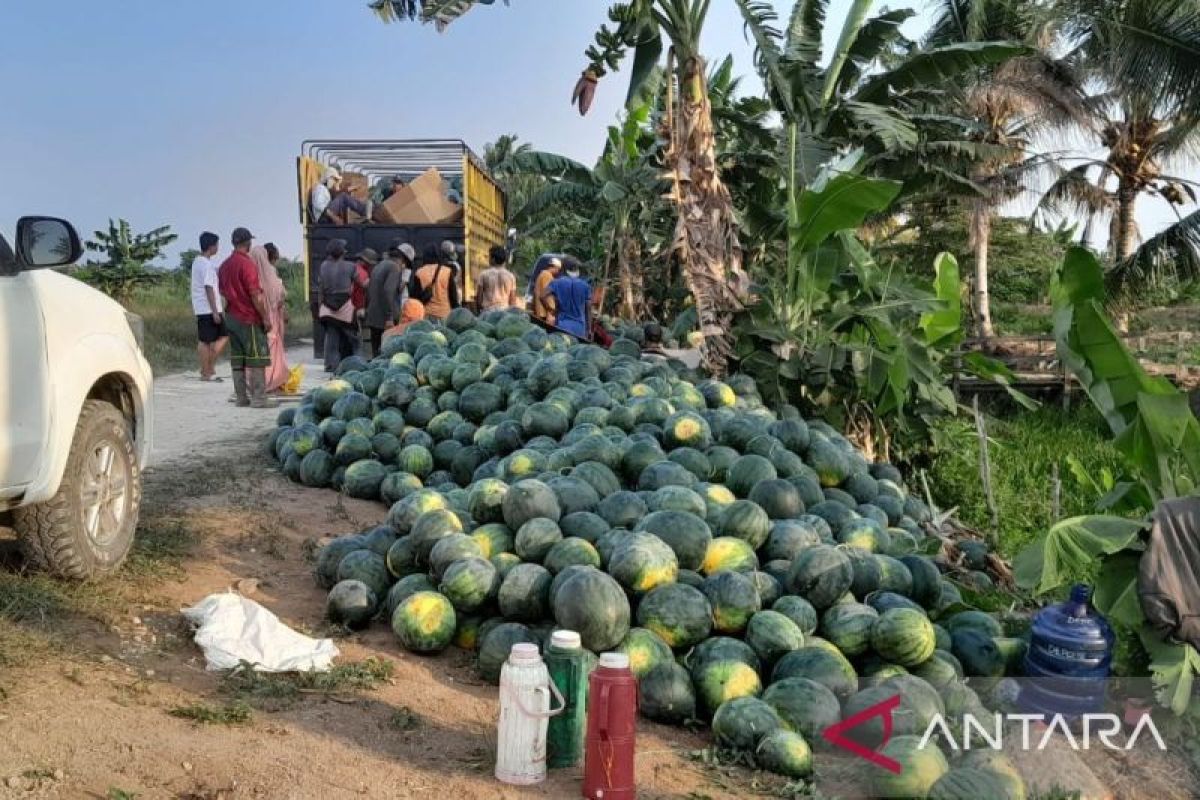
(611, 726)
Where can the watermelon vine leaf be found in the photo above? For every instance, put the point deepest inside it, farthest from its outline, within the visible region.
(1173, 669)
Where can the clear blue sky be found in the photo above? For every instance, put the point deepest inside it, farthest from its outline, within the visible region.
(192, 114)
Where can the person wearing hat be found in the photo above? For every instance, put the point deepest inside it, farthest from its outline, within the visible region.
(383, 291)
(322, 194)
(435, 284)
(496, 286)
(397, 184)
(248, 321)
(571, 298)
(335, 298)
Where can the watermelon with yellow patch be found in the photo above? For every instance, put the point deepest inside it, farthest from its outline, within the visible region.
(785, 753)
(719, 680)
(646, 650)
(425, 622)
(726, 553)
(643, 562)
(686, 429)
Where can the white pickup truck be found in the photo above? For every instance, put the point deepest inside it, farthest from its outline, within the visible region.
(75, 408)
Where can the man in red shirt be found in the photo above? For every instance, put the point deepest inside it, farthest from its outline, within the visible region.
(248, 323)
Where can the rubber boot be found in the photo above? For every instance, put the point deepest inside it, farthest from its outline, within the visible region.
(241, 395)
(258, 390)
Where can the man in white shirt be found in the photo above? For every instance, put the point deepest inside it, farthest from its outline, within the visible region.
(208, 307)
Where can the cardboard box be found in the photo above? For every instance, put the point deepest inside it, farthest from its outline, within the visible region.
(422, 202)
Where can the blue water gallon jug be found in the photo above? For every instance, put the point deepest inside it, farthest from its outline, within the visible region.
(1069, 658)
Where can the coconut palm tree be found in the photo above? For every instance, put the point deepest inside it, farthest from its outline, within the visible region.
(1144, 58)
(1009, 107)
(706, 236)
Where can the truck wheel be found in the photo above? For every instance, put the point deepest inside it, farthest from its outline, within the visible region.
(86, 530)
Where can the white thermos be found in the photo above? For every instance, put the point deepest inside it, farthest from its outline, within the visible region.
(525, 690)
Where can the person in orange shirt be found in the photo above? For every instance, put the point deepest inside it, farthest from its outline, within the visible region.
(543, 310)
(410, 311)
(435, 284)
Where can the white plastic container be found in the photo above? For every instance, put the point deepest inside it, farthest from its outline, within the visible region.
(525, 690)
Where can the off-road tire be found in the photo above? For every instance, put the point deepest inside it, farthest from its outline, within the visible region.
(53, 534)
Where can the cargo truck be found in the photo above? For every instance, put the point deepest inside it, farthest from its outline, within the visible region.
(449, 196)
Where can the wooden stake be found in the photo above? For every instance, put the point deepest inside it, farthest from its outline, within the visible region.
(985, 473)
(1055, 495)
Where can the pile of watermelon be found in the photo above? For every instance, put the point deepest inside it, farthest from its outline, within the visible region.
(761, 574)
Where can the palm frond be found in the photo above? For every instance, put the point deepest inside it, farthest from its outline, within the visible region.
(805, 30)
(550, 165)
(559, 193)
(1170, 257)
(759, 17)
(1074, 192)
(936, 66)
(877, 37)
(890, 127)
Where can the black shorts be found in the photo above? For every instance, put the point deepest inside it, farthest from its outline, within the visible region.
(208, 330)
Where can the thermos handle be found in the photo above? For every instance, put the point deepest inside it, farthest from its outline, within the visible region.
(539, 714)
(603, 728)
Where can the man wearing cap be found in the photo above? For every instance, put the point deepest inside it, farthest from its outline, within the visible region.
(336, 286)
(383, 292)
(248, 323)
(435, 284)
(571, 298)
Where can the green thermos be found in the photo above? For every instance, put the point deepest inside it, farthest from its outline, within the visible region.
(569, 665)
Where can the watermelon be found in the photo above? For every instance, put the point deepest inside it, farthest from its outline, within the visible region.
(430, 528)
(331, 556)
(939, 671)
(525, 593)
(745, 520)
(495, 645)
(976, 651)
(599, 475)
(805, 706)
(686, 429)
(316, 469)
(529, 499)
(767, 586)
(734, 600)
(746, 472)
(535, 538)
(425, 622)
(664, 473)
(784, 753)
(485, 500)
(821, 574)
(742, 722)
(493, 538)
(363, 479)
(718, 681)
(469, 583)
(646, 650)
(594, 605)
(351, 603)
(799, 611)
(848, 626)
(366, 566)
(404, 588)
(1000, 766)
(666, 695)
(622, 509)
(449, 549)
(976, 620)
(968, 783)
(726, 553)
(866, 572)
(686, 534)
(405, 513)
(569, 552)
(693, 461)
(643, 562)
(574, 494)
(327, 394)
(680, 615)
(824, 664)
(926, 579)
(787, 538)
(583, 525)
(678, 498)
(504, 562)
(920, 768)
(779, 498)
(903, 636)
(721, 458)
(772, 635)
(885, 601)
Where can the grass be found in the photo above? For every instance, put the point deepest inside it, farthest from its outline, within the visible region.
(235, 713)
(166, 309)
(1023, 452)
(273, 691)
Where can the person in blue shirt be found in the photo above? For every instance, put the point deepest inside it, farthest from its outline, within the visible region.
(571, 296)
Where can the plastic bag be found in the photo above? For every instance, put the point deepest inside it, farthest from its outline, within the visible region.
(295, 380)
(232, 629)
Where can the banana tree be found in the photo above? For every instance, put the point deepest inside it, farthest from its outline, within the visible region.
(623, 192)
(706, 240)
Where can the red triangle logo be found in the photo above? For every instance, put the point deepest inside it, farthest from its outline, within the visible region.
(834, 734)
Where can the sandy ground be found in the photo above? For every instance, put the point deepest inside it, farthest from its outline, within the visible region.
(191, 415)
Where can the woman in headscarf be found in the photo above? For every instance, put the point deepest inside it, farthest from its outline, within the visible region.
(275, 299)
(410, 311)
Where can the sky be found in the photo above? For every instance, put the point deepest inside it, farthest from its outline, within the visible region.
(192, 114)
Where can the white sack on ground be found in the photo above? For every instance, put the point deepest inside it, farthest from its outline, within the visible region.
(232, 629)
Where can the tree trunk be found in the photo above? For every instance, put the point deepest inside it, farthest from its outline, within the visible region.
(1126, 230)
(628, 255)
(981, 235)
(706, 240)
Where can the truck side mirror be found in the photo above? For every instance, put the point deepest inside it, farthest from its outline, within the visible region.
(47, 242)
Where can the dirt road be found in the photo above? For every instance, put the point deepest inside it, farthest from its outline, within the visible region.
(191, 415)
